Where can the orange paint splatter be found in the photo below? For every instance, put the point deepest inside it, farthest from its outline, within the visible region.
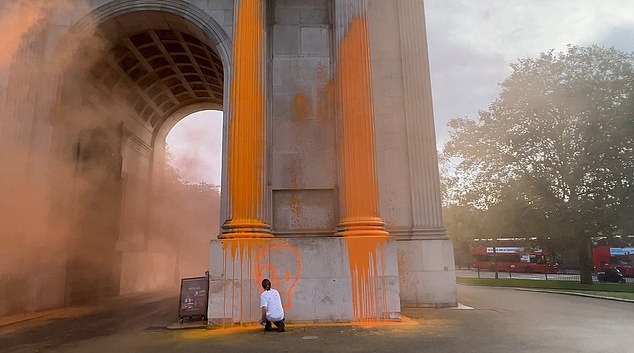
(284, 284)
(296, 208)
(301, 112)
(361, 224)
(301, 107)
(367, 272)
(246, 126)
(238, 252)
(252, 260)
(360, 195)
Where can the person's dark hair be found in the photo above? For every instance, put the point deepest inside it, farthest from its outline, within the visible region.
(266, 284)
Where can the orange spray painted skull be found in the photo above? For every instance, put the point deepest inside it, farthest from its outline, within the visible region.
(282, 264)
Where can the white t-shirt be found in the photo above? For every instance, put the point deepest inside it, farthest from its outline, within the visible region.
(270, 299)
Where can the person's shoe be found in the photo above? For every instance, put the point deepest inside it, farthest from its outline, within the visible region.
(280, 326)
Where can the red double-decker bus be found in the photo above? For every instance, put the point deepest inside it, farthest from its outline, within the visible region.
(613, 257)
(512, 258)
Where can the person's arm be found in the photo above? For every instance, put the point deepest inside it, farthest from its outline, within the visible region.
(264, 306)
(263, 319)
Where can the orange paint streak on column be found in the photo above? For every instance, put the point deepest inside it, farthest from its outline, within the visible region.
(359, 191)
(246, 126)
(360, 222)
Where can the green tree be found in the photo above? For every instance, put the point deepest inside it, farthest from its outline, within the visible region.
(555, 149)
(463, 225)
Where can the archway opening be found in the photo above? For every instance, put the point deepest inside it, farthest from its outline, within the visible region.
(127, 86)
(195, 147)
(185, 212)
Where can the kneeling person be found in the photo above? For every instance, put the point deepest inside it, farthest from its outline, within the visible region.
(271, 304)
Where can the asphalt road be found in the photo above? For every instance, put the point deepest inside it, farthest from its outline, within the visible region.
(502, 320)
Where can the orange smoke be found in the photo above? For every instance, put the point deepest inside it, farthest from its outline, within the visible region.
(57, 198)
(15, 23)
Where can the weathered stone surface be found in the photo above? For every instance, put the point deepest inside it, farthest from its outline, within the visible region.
(312, 275)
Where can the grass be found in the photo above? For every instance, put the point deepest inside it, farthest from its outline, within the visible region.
(594, 288)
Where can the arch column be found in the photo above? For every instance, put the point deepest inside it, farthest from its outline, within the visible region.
(358, 189)
(419, 119)
(246, 138)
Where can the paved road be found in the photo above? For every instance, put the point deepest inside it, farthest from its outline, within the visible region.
(503, 320)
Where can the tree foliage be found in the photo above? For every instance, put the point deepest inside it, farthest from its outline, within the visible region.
(555, 149)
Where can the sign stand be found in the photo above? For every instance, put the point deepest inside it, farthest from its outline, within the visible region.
(193, 298)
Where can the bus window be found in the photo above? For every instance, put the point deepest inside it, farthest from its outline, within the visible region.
(619, 260)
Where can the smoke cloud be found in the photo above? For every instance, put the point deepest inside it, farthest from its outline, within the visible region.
(81, 215)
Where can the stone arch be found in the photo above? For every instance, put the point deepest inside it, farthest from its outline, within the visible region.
(209, 26)
(213, 31)
(181, 8)
(212, 34)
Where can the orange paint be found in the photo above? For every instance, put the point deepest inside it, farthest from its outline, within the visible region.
(296, 206)
(301, 107)
(359, 189)
(300, 114)
(252, 260)
(284, 283)
(360, 223)
(367, 271)
(246, 126)
(238, 253)
(404, 323)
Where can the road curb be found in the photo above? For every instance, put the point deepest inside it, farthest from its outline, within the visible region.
(576, 294)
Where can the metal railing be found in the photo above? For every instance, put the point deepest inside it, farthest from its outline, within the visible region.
(568, 275)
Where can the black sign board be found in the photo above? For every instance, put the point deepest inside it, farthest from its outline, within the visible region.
(193, 298)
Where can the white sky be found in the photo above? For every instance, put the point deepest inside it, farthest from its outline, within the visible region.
(196, 146)
(471, 44)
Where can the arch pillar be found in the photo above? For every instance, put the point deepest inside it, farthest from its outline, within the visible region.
(358, 189)
(246, 134)
(419, 118)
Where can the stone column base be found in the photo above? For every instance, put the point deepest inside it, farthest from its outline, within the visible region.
(427, 273)
(312, 274)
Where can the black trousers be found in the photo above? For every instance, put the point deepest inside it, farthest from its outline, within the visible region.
(279, 324)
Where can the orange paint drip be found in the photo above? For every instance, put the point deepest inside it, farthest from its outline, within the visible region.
(247, 121)
(296, 205)
(246, 262)
(367, 271)
(360, 196)
(300, 114)
(239, 253)
(361, 224)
